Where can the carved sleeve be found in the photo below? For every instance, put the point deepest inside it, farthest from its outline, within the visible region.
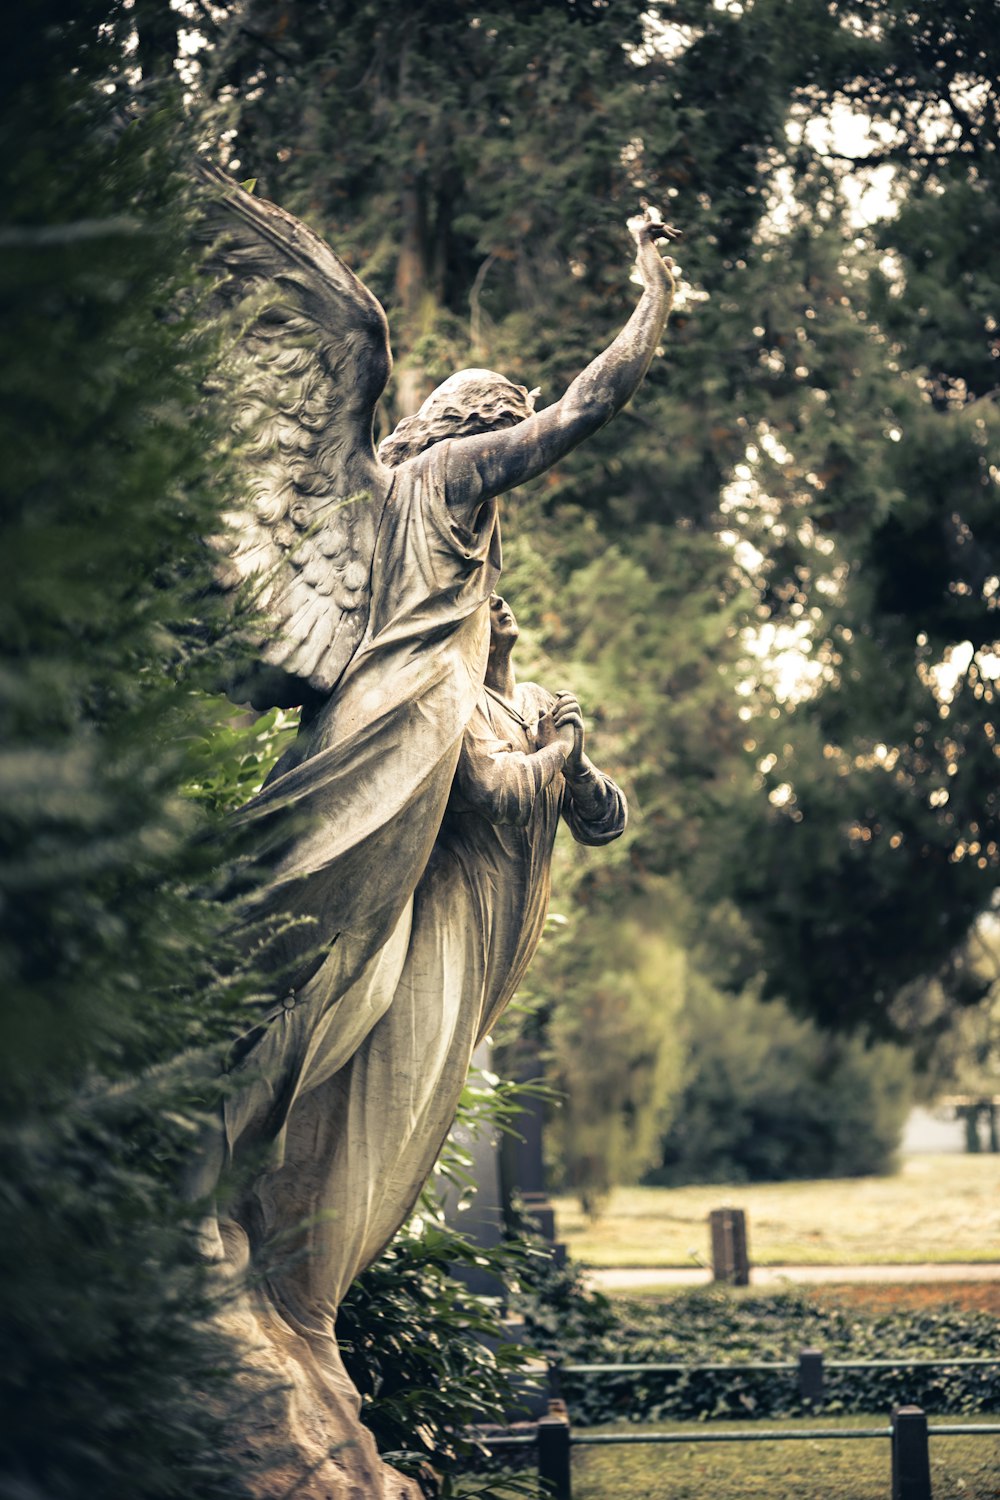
(594, 807)
(462, 524)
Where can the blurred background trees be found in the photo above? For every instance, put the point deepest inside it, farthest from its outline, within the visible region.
(772, 581)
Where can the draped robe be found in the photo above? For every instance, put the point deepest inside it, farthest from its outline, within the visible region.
(362, 1143)
(355, 807)
(412, 847)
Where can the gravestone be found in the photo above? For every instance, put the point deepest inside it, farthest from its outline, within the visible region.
(730, 1254)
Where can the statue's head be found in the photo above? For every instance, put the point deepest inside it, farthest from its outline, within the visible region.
(503, 627)
(471, 401)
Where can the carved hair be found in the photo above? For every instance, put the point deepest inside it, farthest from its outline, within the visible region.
(471, 401)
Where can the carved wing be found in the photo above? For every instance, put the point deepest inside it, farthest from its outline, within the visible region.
(311, 363)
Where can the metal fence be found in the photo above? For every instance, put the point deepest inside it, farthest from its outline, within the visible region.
(810, 1369)
(907, 1429)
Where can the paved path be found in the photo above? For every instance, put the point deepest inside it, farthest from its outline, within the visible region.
(634, 1278)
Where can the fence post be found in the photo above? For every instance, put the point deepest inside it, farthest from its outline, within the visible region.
(553, 1451)
(730, 1256)
(911, 1466)
(811, 1377)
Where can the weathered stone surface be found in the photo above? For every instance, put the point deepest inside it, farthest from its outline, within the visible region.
(411, 826)
(298, 1423)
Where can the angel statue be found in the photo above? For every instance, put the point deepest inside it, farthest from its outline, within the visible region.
(377, 570)
(473, 927)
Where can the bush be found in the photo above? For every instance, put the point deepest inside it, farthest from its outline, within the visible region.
(558, 1308)
(111, 1380)
(429, 1358)
(768, 1096)
(713, 1326)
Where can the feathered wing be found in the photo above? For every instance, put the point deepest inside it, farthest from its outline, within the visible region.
(312, 362)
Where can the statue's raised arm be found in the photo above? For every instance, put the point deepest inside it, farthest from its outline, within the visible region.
(487, 465)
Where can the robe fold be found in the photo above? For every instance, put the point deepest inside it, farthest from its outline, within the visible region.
(353, 810)
(362, 1143)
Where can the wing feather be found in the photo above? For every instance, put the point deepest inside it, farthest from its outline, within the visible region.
(309, 366)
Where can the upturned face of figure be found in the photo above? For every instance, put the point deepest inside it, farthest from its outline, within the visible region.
(503, 626)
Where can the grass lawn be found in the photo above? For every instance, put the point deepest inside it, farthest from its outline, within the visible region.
(961, 1468)
(935, 1209)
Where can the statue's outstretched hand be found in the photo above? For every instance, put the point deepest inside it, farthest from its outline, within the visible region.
(646, 230)
(649, 225)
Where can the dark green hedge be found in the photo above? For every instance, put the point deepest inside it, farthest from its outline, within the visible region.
(714, 1326)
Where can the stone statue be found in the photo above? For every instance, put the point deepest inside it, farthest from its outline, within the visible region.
(474, 923)
(410, 828)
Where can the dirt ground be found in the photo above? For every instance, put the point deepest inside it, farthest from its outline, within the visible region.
(875, 1297)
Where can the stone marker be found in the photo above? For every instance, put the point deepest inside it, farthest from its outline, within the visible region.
(730, 1255)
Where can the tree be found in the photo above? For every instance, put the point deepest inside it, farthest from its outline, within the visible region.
(419, 139)
(113, 1384)
(615, 1061)
(878, 848)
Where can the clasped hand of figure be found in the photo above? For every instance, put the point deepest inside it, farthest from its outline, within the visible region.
(563, 725)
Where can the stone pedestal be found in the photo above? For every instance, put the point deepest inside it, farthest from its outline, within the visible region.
(298, 1422)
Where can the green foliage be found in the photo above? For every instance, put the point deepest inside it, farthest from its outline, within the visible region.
(113, 948)
(767, 1096)
(113, 1383)
(876, 525)
(962, 1047)
(234, 754)
(559, 1310)
(429, 1358)
(614, 1056)
(714, 1326)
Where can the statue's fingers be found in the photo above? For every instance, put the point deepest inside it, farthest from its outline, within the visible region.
(571, 716)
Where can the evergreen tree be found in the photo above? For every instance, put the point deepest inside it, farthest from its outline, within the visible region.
(113, 1384)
